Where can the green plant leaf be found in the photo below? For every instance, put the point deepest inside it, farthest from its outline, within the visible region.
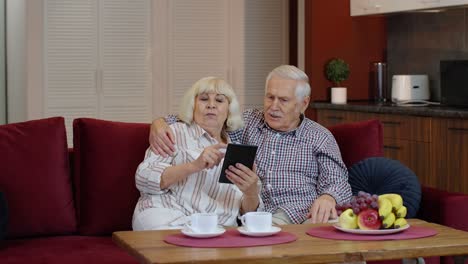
(336, 71)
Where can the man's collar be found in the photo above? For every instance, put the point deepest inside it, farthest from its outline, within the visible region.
(298, 131)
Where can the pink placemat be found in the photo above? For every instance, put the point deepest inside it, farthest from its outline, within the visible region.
(332, 233)
(231, 238)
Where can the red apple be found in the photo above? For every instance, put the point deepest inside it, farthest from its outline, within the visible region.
(369, 220)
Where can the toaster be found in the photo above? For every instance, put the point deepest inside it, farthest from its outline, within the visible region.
(410, 88)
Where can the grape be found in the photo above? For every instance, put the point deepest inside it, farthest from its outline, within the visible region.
(361, 193)
(362, 201)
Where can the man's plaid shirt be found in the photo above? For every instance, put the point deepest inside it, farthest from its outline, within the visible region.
(295, 167)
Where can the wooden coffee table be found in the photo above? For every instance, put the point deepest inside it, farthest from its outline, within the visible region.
(149, 247)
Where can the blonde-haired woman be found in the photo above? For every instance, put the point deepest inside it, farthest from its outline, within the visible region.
(172, 188)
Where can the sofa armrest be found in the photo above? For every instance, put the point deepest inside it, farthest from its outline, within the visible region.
(442, 207)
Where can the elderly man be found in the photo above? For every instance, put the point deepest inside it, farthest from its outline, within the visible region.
(298, 161)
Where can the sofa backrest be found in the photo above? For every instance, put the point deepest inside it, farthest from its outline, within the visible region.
(106, 156)
(359, 140)
(35, 173)
(35, 179)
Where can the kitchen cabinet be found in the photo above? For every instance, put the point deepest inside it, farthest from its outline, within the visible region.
(406, 138)
(450, 153)
(334, 117)
(372, 7)
(369, 7)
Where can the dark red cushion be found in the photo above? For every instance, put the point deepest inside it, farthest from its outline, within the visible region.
(34, 176)
(444, 208)
(106, 155)
(64, 249)
(359, 140)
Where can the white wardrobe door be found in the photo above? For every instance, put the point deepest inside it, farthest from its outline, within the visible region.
(124, 74)
(198, 45)
(70, 57)
(265, 46)
(239, 40)
(97, 60)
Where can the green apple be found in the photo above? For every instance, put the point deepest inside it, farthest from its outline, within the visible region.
(348, 219)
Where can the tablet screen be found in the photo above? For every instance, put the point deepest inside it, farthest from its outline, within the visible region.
(237, 153)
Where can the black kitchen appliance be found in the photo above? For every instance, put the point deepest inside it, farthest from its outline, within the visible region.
(454, 82)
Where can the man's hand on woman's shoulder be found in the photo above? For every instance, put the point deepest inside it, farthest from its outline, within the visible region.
(161, 138)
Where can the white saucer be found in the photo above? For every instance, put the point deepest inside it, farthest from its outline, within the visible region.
(188, 232)
(273, 230)
(371, 232)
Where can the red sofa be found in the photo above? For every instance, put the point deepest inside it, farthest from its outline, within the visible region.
(64, 204)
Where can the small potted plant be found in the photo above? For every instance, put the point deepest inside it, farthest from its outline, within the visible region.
(337, 71)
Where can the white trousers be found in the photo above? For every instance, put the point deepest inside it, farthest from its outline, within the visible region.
(158, 218)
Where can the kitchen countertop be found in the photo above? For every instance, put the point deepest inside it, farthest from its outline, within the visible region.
(390, 108)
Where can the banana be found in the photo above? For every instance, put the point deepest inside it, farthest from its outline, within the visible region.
(388, 221)
(401, 213)
(385, 207)
(396, 200)
(400, 222)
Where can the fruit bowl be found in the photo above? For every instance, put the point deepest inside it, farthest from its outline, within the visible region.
(371, 232)
(372, 214)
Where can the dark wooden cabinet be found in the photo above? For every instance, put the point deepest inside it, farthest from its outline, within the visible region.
(450, 155)
(333, 117)
(406, 138)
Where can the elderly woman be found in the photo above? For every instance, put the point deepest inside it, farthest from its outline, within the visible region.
(177, 186)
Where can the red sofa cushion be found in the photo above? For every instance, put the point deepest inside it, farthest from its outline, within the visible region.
(35, 179)
(446, 208)
(106, 155)
(359, 140)
(64, 249)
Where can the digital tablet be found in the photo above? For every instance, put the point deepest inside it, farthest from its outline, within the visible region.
(237, 153)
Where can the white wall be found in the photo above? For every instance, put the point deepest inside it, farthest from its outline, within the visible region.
(16, 60)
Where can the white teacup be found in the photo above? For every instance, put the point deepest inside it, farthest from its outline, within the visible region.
(257, 221)
(203, 222)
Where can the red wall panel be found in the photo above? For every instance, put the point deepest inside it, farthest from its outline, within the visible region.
(331, 32)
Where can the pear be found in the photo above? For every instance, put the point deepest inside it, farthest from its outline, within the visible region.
(348, 219)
